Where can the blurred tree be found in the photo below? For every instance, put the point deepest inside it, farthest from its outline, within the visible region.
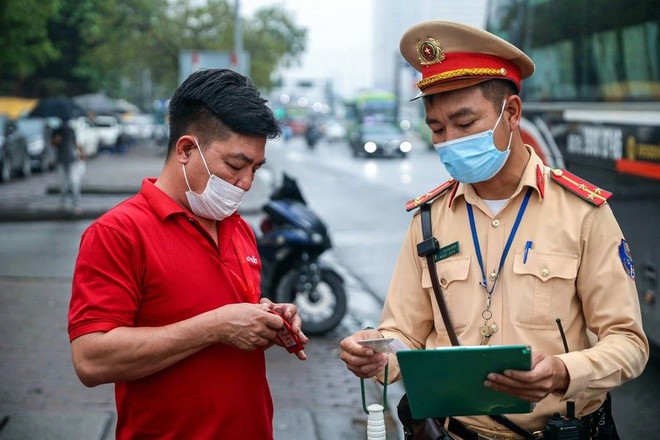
(121, 47)
(68, 74)
(272, 38)
(130, 48)
(24, 40)
(274, 41)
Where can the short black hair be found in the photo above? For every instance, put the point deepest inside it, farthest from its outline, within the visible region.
(496, 90)
(214, 103)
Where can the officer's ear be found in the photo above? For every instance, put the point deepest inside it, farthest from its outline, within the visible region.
(513, 111)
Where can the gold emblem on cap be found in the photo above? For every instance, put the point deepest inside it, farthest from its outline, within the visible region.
(430, 52)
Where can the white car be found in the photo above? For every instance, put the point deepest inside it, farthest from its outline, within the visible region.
(139, 126)
(86, 135)
(108, 130)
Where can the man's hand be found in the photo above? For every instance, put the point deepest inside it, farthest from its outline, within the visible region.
(288, 312)
(361, 360)
(548, 375)
(247, 326)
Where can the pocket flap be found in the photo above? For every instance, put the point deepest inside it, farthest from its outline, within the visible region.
(547, 265)
(449, 270)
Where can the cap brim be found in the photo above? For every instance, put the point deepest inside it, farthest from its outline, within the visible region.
(449, 85)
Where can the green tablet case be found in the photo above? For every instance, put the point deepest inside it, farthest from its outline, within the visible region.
(449, 381)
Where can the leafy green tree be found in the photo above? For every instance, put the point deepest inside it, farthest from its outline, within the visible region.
(67, 29)
(24, 41)
(130, 48)
(274, 41)
(121, 46)
(272, 38)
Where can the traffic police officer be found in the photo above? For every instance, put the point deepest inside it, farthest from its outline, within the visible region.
(524, 244)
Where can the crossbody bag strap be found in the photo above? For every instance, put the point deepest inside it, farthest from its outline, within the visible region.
(427, 248)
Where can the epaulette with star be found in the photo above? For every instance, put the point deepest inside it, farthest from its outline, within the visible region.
(580, 187)
(418, 201)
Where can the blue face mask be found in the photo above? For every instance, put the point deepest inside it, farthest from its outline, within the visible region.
(474, 158)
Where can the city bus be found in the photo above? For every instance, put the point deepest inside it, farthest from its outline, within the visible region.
(369, 105)
(593, 108)
(372, 103)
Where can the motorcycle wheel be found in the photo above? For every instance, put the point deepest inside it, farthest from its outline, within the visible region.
(322, 309)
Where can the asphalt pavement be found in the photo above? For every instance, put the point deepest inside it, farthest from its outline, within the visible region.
(40, 396)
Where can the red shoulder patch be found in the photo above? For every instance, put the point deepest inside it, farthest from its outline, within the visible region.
(540, 180)
(417, 201)
(581, 187)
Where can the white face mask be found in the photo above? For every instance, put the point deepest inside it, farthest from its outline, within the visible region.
(219, 200)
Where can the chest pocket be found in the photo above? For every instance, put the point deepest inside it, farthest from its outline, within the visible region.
(544, 289)
(452, 276)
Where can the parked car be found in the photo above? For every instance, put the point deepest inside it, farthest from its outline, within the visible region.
(14, 156)
(108, 130)
(139, 127)
(86, 135)
(40, 147)
(380, 139)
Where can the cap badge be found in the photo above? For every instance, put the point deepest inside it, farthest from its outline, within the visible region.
(430, 52)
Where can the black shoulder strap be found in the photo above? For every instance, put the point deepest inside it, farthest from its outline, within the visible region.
(427, 248)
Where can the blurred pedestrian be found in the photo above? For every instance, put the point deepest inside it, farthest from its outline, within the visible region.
(166, 289)
(121, 145)
(70, 160)
(520, 246)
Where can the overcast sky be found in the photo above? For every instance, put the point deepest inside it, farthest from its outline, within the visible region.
(338, 30)
(340, 34)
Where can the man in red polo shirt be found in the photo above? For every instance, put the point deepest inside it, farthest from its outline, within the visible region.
(166, 298)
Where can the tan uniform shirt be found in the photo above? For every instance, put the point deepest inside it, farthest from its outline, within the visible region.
(573, 272)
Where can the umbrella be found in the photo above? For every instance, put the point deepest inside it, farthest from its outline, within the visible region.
(58, 107)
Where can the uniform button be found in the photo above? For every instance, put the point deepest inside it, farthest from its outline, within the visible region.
(545, 272)
(443, 282)
(557, 172)
(495, 223)
(493, 275)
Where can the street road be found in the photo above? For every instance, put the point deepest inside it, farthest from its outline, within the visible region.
(362, 200)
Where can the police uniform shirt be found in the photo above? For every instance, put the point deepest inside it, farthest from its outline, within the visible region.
(573, 271)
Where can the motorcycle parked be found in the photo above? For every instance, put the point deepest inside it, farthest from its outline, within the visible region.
(292, 240)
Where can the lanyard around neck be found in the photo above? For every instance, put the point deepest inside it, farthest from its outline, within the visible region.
(477, 248)
(248, 286)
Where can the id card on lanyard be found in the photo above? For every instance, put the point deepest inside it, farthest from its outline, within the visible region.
(247, 282)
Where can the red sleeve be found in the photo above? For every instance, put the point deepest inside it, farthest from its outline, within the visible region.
(106, 289)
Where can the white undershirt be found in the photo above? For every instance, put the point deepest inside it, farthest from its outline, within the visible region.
(495, 206)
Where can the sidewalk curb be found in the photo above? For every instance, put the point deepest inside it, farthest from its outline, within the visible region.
(55, 425)
(28, 215)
